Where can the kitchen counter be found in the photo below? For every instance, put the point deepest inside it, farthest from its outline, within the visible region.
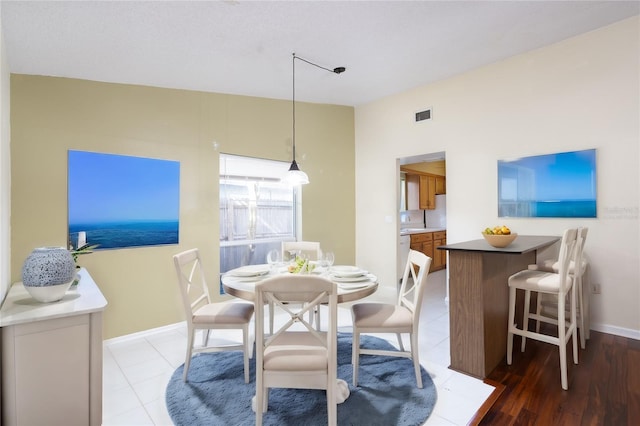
(410, 231)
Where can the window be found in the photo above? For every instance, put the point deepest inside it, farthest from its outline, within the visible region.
(257, 211)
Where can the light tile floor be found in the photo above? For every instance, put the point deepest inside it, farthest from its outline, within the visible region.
(137, 368)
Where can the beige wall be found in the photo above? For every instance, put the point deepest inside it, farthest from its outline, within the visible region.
(5, 171)
(581, 93)
(51, 115)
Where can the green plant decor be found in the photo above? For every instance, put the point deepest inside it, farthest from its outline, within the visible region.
(85, 249)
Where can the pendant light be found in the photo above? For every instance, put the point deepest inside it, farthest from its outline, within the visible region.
(295, 176)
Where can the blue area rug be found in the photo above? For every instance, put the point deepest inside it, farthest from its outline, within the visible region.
(216, 393)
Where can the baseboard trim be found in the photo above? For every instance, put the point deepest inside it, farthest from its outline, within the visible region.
(617, 331)
(144, 333)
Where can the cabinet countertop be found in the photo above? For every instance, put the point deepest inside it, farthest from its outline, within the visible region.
(522, 244)
(20, 308)
(412, 231)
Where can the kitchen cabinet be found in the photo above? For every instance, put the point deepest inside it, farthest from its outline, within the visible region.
(439, 256)
(441, 185)
(421, 190)
(413, 192)
(426, 243)
(427, 192)
(52, 357)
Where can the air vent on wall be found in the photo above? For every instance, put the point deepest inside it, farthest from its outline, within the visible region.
(423, 115)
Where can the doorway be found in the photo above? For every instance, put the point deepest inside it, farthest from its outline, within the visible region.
(422, 208)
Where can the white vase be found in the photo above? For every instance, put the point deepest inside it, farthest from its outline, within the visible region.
(48, 272)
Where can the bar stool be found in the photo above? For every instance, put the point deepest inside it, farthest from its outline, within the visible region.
(559, 284)
(547, 304)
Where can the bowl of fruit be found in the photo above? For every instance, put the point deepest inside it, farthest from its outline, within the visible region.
(499, 236)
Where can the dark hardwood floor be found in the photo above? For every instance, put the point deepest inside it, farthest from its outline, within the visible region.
(604, 388)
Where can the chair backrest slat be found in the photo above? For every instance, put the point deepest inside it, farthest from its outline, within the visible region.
(194, 290)
(413, 283)
(286, 292)
(567, 253)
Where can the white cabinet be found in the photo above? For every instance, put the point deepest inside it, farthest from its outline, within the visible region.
(52, 357)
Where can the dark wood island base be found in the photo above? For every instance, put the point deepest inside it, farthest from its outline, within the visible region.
(479, 299)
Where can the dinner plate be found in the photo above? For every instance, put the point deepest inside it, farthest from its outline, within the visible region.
(367, 277)
(345, 268)
(252, 279)
(347, 271)
(353, 286)
(250, 271)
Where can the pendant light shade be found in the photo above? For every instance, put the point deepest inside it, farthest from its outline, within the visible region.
(295, 176)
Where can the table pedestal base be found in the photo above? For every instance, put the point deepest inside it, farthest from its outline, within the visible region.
(342, 393)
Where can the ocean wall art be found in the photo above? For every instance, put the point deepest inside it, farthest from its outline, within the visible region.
(118, 201)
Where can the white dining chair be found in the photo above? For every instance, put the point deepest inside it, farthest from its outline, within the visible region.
(202, 314)
(296, 355)
(546, 304)
(401, 317)
(311, 251)
(560, 284)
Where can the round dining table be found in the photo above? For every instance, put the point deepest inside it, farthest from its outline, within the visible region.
(241, 283)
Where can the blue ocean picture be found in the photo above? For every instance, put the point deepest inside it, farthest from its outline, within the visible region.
(553, 185)
(118, 201)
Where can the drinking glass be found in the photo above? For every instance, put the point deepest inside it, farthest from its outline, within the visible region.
(273, 258)
(328, 258)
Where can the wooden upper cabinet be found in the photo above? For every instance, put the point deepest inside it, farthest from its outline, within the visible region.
(427, 192)
(421, 190)
(441, 185)
(413, 192)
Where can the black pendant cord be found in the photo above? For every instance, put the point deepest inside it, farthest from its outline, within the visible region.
(336, 70)
(294, 167)
(294, 107)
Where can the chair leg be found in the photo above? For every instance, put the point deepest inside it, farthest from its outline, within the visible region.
(562, 342)
(187, 360)
(511, 325)
(258, 408)
(574, 323)
(538, 311)
(583, 337)
(245, 343)
(585, 300)
(261, 399)
(205, 337)
(332, 409)
(416, 358)
(400, 344)
(355, 355)
(525, 317)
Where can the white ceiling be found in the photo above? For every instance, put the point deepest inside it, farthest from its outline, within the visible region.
(245, 47)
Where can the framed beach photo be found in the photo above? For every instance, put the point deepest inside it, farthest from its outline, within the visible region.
(560, 184)
(118, 201)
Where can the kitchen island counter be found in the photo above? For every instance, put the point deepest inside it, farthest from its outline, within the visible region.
(479, 299)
